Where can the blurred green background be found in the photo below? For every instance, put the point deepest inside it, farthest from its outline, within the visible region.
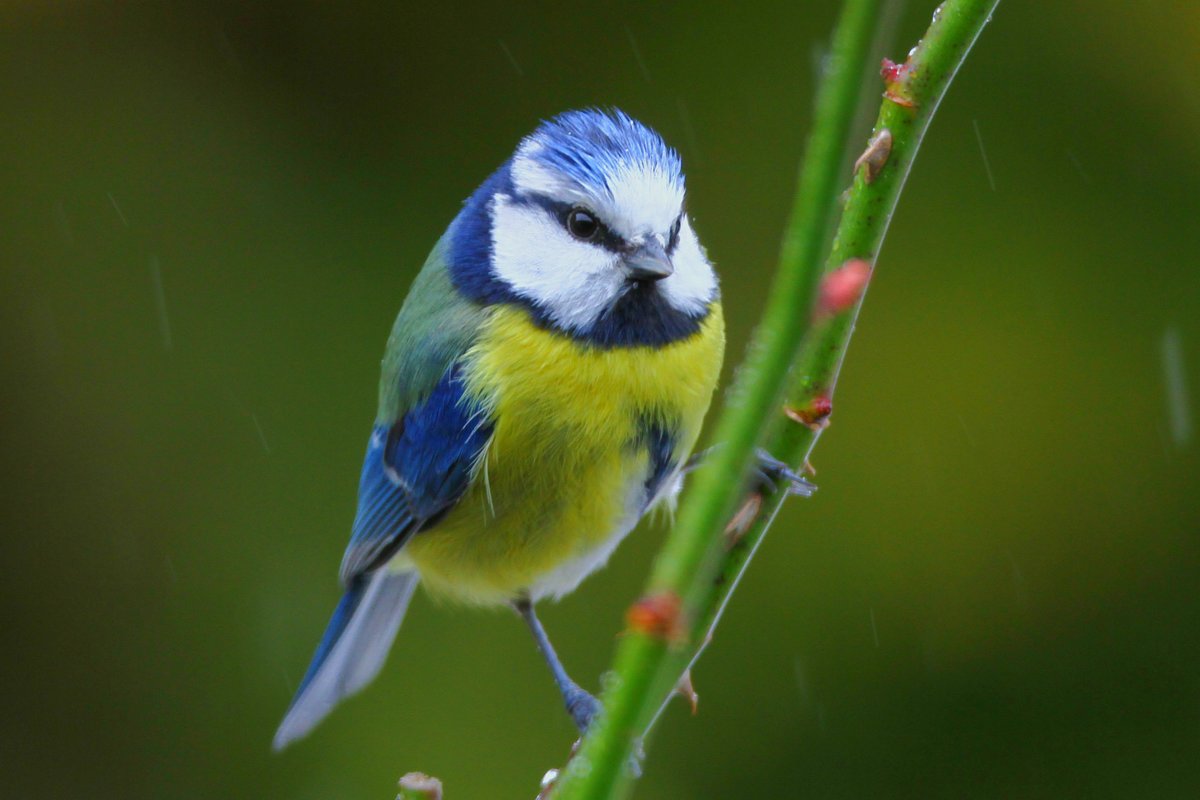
(211, 213)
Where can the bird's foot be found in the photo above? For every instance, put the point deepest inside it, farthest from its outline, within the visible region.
(769, 471)
(581, 705)
(584, 708)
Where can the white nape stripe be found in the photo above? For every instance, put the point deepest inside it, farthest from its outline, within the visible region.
(532, 177)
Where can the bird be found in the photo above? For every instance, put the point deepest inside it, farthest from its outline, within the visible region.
(543, 388)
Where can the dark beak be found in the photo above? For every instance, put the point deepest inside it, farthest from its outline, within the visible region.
(649, 262)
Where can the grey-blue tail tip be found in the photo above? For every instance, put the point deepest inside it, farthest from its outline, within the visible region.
(352, 651)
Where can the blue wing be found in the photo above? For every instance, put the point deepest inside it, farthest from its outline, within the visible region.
(421, 457)
(414, 471)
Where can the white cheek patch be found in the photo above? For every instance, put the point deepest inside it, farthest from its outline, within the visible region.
(576, 282)
(572, 281)
(693, 285)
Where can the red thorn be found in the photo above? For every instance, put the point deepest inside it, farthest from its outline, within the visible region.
(842, 288)
(815, 415)
(875, 157)
(891, 71)
(895, 79)
(658, 615)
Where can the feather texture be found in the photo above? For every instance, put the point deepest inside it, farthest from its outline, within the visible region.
(435, 326)
(580, 434)
(415, 469)
(352, 651)
(537, 394)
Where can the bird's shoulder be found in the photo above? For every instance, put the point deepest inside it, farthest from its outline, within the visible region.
(436, 325)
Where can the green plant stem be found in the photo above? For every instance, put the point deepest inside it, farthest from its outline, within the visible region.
(930, 69)
(719, 482)
(694, 558)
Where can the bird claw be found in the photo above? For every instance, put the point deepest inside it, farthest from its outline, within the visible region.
(769, 471)
(584, 709)
(582, 706)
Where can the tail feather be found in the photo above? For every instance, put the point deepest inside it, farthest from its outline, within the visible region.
(352, 651)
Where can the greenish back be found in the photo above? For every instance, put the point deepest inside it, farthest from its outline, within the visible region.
(434, 327)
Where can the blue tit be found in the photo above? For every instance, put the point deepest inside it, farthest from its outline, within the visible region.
(543, 386)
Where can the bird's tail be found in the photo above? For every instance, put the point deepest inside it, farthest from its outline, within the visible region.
(352, 651)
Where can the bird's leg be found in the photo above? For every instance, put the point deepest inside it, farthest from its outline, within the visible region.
(766, 472)
(581, 705)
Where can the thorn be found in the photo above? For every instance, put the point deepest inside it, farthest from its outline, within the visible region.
(578, 743)
(875, 157)
(809, 470)
(890, 70)
(658, 615)
(895, 80)
(547, 785)
(815, 415)
(685, 689)
(842, 288)
(419, 786)
(742, 519)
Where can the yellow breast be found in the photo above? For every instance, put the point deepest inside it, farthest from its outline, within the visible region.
(557, 481)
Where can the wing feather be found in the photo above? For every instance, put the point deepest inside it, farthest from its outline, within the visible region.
(415, 470)
(425, 439)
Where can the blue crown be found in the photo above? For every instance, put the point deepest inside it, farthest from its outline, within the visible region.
(590, 145)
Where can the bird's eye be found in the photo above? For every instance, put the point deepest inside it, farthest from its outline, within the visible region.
(583, 224)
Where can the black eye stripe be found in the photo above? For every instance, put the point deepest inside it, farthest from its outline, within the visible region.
(673, 239)
(605, 238)
(561, 211)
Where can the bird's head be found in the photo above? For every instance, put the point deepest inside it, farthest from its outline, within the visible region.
(586, 226)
